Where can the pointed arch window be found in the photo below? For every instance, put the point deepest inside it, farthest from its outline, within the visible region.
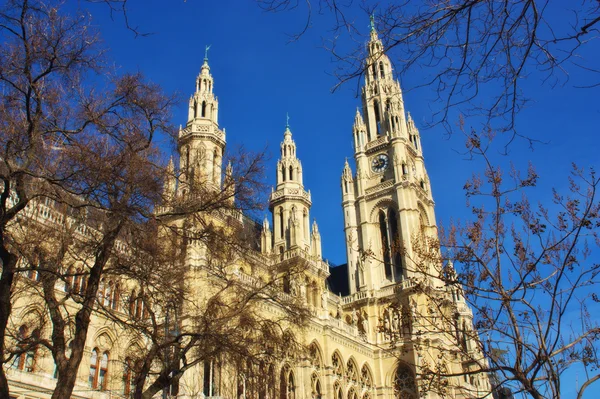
(381, 70)
(204, 108)
(374, 71)
(283, 173)
(288, 387)
(291, 173)
(385, 246)
(391, 244)
(25, 361)
(396, 243)
(281, 227)
(377, 117)
(195, 109)
(98, 370)
(337, 391)
(210, 386)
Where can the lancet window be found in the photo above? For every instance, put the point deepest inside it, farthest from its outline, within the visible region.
(391, 244)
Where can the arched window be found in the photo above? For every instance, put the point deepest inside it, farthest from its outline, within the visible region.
(116, 297)
(316, 387)
(25, 361)
(282, 173)
(108, 294)
(337, 364)
(381, 70)
(385, 246)
(287, 384)
(210, 386)
(128, 378)
(374, 71)
(203, 109)
(291, 173)
(404, 383)
(337, 391)
(92, 380)
(396, 242)
(366, 379)
(195, 109)
(281, 227)
(287, 284)
(377, 117)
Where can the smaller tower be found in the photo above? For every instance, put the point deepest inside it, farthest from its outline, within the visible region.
(289, 202)
(201, 143)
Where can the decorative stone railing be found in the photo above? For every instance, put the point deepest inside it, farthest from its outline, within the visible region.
(301, 253)
(343, 326)
(380, 293)
(294, 192)
(379, 142)
(202, 129)
(382, 186)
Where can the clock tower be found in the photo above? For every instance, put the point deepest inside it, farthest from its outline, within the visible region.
(388, 200)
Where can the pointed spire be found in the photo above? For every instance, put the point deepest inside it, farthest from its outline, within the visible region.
(266, 224)
(171, 165)
(374, 36)
(229, 170)
(358, 119)
(347, 173)
(315, 227)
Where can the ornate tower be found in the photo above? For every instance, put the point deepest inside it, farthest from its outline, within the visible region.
(201, 142)
(388, 201)
(290, 205)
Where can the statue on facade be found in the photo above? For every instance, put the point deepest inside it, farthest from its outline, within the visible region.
(324, 299)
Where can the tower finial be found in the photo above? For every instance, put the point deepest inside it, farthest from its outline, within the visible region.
(206, 48)
(287, 120)
(372, 18)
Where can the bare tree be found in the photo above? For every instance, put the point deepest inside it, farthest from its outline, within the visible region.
(67, 142)
(507, 297)
(91, 227)
(468, 46)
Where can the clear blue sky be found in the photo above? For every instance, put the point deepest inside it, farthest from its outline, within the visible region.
(259, 76)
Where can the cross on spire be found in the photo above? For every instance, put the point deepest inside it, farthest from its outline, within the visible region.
(287, 120)
(206, 48)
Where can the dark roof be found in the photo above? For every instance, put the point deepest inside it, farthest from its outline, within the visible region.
(338, 280)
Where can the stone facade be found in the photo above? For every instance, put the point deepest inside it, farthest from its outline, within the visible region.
(384, 203)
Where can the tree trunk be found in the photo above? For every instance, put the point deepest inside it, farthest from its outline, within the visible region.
(9, 262)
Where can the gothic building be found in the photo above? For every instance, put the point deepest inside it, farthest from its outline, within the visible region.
(386, 202)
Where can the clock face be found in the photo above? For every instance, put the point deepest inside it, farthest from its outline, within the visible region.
(380, 163)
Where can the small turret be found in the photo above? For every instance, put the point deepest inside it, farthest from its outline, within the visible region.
(229, 184)
(413, 133)
(360, 131)
(347, 181)
(315, 241)
(266, 243)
